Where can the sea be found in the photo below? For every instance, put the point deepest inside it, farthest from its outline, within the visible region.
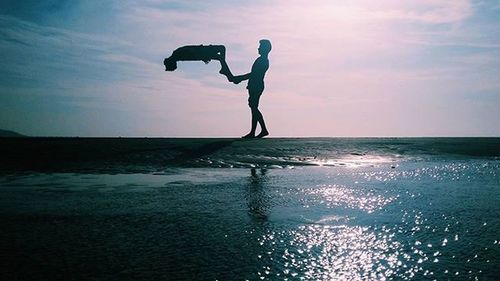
(259, 209)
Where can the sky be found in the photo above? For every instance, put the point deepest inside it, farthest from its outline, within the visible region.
(337, 68)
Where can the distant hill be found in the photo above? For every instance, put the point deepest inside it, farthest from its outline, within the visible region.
(10, 134)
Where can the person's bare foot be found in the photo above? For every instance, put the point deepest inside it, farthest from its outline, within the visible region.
(262, 134)
(248, 136)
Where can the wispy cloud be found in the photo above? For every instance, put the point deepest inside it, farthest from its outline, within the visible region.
(49, 54)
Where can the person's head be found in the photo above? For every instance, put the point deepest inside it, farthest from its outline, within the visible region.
(264, 47)
(170, 64)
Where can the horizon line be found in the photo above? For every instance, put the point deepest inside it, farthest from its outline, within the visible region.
(236, 137)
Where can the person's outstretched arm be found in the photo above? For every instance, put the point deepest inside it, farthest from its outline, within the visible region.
(239, 78)
(227, 72)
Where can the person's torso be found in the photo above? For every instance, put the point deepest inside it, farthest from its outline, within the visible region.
(256, 79)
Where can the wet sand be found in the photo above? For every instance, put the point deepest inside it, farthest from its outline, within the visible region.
(225, 209)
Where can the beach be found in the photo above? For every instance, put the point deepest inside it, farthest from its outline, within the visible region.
(267, 209)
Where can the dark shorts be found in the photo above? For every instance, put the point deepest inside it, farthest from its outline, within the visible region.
(254, 97)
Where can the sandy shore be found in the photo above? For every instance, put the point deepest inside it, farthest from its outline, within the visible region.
(137, 155)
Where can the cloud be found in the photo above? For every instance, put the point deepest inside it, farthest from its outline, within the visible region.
(359, 63)
(50, 54)
(428, 11)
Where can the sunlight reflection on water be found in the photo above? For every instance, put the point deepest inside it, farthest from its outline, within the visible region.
(338, 195)
(386, 233)
(323, 252)
(332, 249)
(355, 160)
(418, 221)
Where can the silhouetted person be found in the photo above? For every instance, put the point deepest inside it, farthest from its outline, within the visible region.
(195, 53)
(255, 86)
(199, 53)
(255, 77)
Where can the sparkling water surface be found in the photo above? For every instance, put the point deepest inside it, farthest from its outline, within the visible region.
(386, 219)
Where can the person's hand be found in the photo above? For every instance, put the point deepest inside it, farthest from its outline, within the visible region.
(237, 80)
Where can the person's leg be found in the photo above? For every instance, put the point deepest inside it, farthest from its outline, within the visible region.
(257, 117)
(254, 123)
(256, 114)
(253, 103)
(224, 70)
(218, 52)
(260, 119)
(210, 52)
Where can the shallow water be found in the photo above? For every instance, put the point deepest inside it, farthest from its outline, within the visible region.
(405, 218)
